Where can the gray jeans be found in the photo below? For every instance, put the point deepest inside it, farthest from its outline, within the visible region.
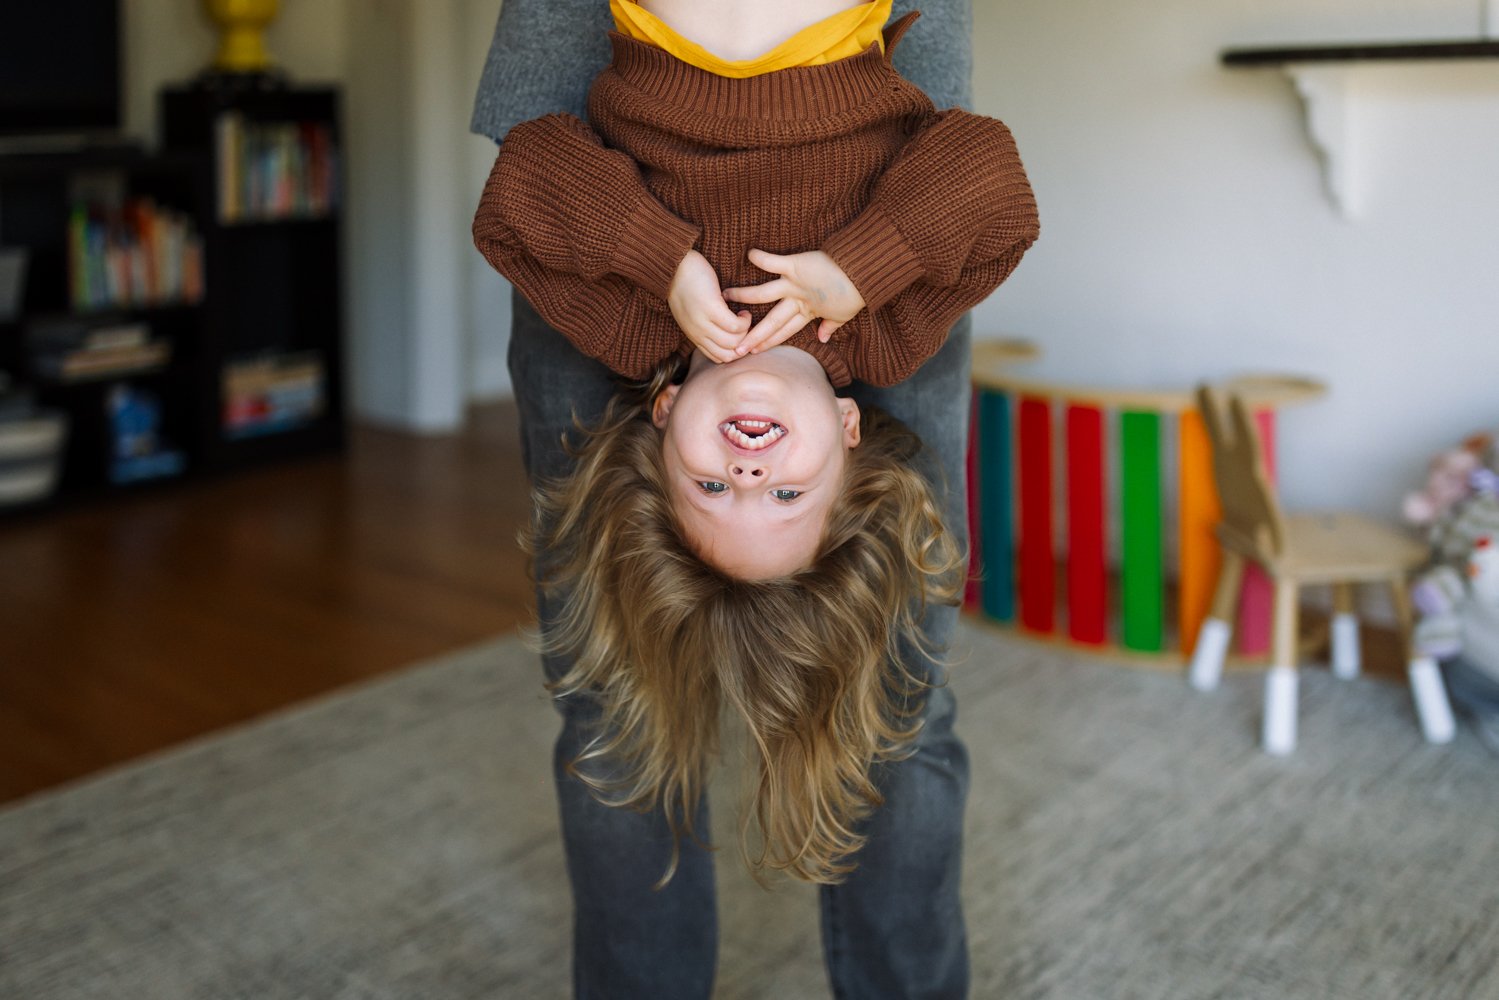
(895, 927)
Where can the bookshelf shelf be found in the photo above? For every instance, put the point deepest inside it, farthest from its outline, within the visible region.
(273, 158)
(146, 382)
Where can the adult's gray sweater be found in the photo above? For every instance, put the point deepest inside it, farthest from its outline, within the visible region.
(545, 54)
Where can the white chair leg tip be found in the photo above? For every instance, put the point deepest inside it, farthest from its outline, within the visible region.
(1279, 736)
(1207, 657)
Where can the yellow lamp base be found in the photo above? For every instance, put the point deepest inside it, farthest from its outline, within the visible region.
(242, 25)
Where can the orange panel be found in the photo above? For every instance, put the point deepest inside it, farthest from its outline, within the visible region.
(1200, 511)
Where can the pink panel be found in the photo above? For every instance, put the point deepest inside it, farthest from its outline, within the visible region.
(1257, 600)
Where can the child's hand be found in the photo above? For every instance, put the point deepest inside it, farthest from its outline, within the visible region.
(810, 286)
(697, 304)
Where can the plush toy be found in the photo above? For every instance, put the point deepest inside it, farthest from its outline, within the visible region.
(1459, 612)
(1480, 616)
(1437, 594)
(1449, 480)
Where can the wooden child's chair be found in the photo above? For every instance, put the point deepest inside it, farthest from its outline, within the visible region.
(1341, 549)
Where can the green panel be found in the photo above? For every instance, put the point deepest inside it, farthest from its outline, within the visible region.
(1142, 581)
(996, 506)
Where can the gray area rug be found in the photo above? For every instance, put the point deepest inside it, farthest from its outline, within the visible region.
(1125, 839)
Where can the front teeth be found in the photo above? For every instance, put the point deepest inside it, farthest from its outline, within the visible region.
(772, 433)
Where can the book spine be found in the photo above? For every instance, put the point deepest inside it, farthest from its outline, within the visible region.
(229, 141)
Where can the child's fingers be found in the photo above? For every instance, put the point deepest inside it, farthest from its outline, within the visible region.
(782, 321)
(728, 328)
(782, 335)
(714, 351)
(718, 344)
(729, 339)
(717, 311)
(772, 291)
(825, 329)
(770, 324)
(774, 263)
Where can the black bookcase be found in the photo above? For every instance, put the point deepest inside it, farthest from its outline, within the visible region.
(245, 364)
(47, 203)
(271, 162)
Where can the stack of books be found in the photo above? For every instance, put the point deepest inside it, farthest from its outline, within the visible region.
(140, 254)
(73, 351)
(269, 394)
(274, 170)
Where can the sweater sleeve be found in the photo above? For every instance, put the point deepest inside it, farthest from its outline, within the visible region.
(946, 224)
(610, 320)
(571, 224)
(579, 207)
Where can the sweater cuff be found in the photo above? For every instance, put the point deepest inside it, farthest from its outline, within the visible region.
(651, 245)
(830, 358)
(875, 256)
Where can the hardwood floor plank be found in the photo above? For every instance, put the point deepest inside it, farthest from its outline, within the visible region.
(130, 625)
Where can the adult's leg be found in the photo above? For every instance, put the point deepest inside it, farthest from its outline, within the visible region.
(629, 939)
(895, 927)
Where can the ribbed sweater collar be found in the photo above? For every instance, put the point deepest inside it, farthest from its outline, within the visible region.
(784, 95)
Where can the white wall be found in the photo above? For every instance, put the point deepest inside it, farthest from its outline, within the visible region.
(1186, 233)
(377, 135)
(487, 294)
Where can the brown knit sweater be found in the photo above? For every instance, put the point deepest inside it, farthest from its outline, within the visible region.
(925, 211)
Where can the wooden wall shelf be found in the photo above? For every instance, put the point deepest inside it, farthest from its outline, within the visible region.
(1326, 77)
(1364, 52)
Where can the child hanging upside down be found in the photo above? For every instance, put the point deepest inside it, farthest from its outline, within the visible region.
(760, 212)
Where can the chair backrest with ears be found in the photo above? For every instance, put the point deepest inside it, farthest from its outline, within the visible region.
(1251, 512)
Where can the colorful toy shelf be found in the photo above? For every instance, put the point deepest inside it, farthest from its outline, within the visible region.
(1093, 459)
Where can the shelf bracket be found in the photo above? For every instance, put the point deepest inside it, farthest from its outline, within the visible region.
(1333, 125)
(1328, 79)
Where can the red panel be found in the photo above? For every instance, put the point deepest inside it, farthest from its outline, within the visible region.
(1037, 558)
(1087, 584)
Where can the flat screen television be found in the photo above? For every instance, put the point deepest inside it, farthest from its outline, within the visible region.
(59, 67)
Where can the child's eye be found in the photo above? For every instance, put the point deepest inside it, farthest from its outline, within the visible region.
(712, 487)
(785, 496)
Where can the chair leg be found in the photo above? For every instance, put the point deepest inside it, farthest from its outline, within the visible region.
(1217, 628)
(1345, 646)
(1433, 709)
(1282, 682)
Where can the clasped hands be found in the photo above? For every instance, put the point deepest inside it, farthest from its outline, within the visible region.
(810, 286)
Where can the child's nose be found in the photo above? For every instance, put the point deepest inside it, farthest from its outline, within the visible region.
(754, 469)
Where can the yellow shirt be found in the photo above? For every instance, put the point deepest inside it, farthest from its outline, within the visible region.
(846, 33)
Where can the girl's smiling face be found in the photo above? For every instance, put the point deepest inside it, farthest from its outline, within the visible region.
(754, 452)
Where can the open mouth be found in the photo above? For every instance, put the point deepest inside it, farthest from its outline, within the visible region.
(752, 434)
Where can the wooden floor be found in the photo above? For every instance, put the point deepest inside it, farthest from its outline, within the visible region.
(132, 625)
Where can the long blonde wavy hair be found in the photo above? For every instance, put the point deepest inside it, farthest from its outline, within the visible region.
(808, 662)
